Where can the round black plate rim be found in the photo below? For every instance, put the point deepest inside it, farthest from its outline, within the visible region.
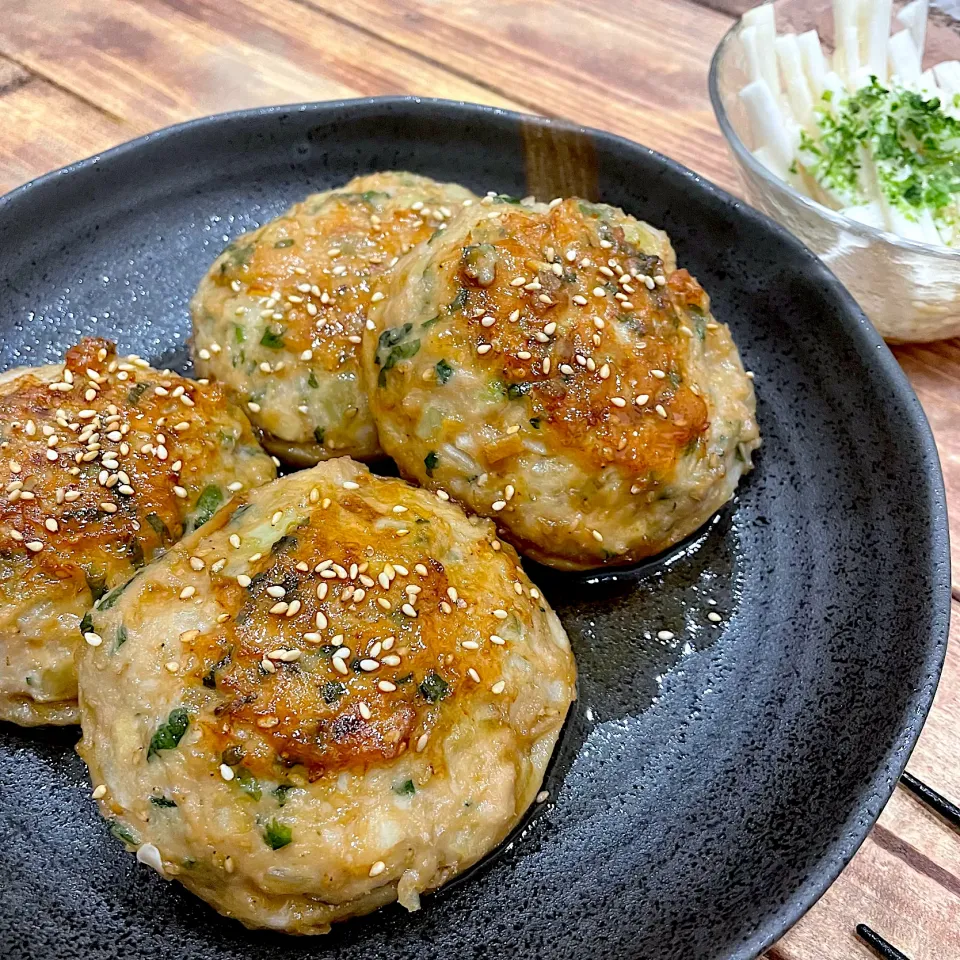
(869, 343)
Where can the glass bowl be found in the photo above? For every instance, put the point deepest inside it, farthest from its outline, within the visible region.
(910, 290)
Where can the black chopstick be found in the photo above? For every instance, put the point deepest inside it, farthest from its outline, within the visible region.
(939, 804)
(887, 951)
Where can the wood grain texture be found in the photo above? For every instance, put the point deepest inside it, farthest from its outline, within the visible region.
(44, 127)
(597, 62)
(152, 63)
(77, 76)
(934, 372)
(904, 882)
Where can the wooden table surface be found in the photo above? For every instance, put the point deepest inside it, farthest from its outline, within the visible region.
(78, 76)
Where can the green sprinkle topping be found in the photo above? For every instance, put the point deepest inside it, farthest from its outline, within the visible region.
(915, 145)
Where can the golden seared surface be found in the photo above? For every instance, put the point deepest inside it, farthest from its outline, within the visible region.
(552, 368)
(104, 463)
(359, 679)
(281, 313)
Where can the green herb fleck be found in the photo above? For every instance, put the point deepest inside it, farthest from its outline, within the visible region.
(433, 687)
(207, 503)
(247, 782)
(404, 789)
(282, 793)
(124, 834)
(111, 598)
(122, 637)
(285, 242)
(235, 256)
(444, 371)
(86, 624)
(277, 835)
(160, 801)
(133, 397)
(319, 433)
(430, 461)
(272, 338)
(169, 734)
(333, 691)
(159, 527)
(392, 347)
(312, 381)
(517, 390)
(459, 301)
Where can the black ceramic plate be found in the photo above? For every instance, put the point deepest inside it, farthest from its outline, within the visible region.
(708, 787)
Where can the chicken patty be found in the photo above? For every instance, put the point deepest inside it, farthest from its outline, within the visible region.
(339, 693)
(281, 313)
(104, 464)
(552, 368)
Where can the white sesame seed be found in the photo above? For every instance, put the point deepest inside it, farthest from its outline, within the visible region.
(94, 639)
(642, 399)
(99, 792)
(665, 635)
(618, 401)
(497, 639)
(501, 614)
(714, 617)
(187, 592)
(660, 410)
(340, 666)
(422, 742)
(226, 772)
(659, 374)
(499, 686)
(409, 610)
(484, 348)
(498, 505)
(377, 868)
(350, 485)
(597, 535)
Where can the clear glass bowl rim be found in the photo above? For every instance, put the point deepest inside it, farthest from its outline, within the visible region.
(745, 157)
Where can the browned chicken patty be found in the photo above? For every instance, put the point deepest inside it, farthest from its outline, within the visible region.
(105, 463)
(280, 316)
(339, 692)
(552, 368)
